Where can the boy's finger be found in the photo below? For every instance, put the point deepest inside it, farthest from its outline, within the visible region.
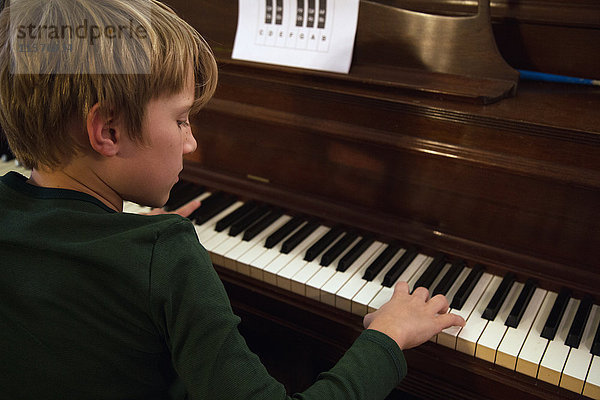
(439, 304)
(367, 320)
(188, 208)
(401, 287)
(421, 292)
(449, 319)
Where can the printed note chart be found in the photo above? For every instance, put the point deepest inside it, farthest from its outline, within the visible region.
(313, 34)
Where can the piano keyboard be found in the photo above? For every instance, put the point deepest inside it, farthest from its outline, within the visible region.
(550, 336)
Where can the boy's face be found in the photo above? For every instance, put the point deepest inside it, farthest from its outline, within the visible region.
(154, 168)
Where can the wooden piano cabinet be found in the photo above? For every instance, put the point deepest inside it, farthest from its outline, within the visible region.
(495, 184)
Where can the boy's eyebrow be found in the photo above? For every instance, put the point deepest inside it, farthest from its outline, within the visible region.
(185, 106)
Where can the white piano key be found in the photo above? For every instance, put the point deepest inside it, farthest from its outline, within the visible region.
(207, 230)
(284, 276)
(339, 279)
(315, 283)
(259, 257)
(469, 334)
(490, 338)
(250, 261)
(300, 278)
(385, 294)
(258, 264)
(556, 353)
(533, 349)
(214, 241)
(449, 336)
(218, 253)
(515, 337)
(258, 241)
(578, 363)
(344, 296)
(225, 253)
(306, 271)
(134, 208)
(591, 388)
(271, 271)
(361, 300)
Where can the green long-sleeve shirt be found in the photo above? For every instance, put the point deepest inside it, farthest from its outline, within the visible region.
(96, 304)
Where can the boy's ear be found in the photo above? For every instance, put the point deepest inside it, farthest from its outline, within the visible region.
(104, 135)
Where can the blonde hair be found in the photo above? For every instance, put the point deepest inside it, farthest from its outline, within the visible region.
(58, 58)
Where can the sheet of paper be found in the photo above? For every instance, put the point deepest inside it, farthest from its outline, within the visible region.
(313, 34)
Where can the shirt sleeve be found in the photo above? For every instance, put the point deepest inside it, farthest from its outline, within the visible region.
(191, 310)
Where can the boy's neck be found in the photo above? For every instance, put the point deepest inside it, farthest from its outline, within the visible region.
(85, 181)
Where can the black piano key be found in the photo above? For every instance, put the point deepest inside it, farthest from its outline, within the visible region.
(581, 316)
(324, 242)
(248, 220)
(235, 216)
(431, 272)
(299, 236)
(556, 314)
(283, 232)
(338, 248)
(354, 253)
(175, 190)
(491, 310)
(595, 350)
(211, 207)
(449, 278)
(182, 194)
(515, 315)
(207, 203)
(399, 267)
(262, 224)
(465, 290)
(381, 261)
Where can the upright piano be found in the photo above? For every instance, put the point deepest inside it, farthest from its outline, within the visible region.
(494, 203)
(506, 192)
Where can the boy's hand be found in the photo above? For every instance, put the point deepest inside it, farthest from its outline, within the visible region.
(412, 319)
(184, 210)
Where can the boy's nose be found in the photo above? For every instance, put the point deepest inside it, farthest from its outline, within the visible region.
(190, 143)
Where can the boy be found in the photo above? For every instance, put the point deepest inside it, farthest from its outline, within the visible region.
(100, 304)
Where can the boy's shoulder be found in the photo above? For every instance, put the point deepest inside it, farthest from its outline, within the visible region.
(73, 216)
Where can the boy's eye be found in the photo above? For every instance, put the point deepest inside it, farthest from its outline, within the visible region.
(183, 124)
